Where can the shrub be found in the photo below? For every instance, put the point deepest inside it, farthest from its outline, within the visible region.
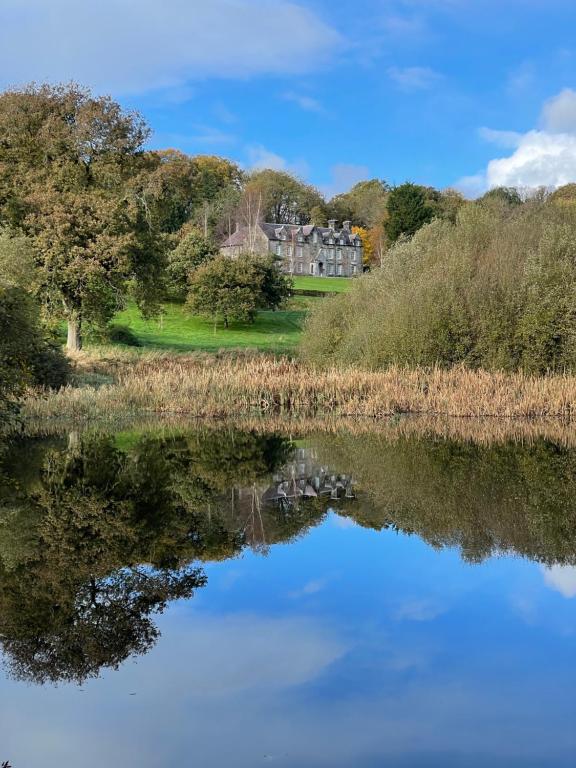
(192, 251)
(495, 290)
(235, 289)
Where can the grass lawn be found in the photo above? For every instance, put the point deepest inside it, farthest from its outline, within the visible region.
(328, 284)
(180, 332)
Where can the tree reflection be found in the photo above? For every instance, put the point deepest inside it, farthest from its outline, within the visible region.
(100, 536)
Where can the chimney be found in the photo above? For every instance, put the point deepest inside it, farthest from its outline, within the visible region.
(332, 223)
(346, 226)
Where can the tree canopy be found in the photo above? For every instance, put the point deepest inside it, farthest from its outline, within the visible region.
(68, 168)
(235, 289)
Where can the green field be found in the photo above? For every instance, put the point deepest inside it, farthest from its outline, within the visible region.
(327, 284)
(178, 331)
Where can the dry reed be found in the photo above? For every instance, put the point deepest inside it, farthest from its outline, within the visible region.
(201, 386)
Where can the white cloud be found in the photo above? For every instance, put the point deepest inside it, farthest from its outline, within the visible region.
(544, 157)
(344, 176)
(306, 103)
(414, 78)
(259, 158)
(559, 113)
(561, 578)
(507, 139)
(129, 46)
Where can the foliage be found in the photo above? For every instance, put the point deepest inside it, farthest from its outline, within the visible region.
(368, 249)
(493, 291)
(235, 289)
(192, 251)
(179, 188)
(96, 540)
(364, 204)
(408, 209)
(27, 355)
(68, 168)
(278, 197)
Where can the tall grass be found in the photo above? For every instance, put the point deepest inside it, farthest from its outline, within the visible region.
(493, 291)
(232, 386)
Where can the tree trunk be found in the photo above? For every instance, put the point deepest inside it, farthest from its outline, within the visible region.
(74, 342)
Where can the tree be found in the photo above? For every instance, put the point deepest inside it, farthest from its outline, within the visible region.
(283, 199)
(180, 188)
(508, 195)
(27, 355)
(68, 165)
(408, 210)
(364, 204)
(192, 251)
(235, 289)
(368, 249)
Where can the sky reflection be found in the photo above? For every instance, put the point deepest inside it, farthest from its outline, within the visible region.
(346, 648)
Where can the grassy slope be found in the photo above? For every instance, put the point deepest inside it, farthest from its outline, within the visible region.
(328, 284)
(180, 332)
(273, 331)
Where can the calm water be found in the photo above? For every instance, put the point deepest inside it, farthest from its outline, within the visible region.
(233, 599)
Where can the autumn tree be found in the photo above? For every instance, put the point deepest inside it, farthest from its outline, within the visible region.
(279, 197)
(364, 204)
(180, 188)
(235, 289)
(68, 164)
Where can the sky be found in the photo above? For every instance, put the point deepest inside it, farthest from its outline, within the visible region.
(453, 93)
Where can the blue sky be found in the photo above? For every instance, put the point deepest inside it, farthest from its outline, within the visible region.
(471, 93)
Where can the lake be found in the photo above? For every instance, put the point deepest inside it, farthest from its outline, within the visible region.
(234, 597)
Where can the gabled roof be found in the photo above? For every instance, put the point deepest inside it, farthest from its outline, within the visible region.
(272, 232)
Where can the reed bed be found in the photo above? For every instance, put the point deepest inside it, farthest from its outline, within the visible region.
(223, 387)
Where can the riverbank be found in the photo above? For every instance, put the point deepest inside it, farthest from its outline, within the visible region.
(112, 383)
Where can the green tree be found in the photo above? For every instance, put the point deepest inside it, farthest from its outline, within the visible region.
(68, 164)
(27, 355)
(278, 197)
(235, 289)
(508, 195)
(192, 251)
(179, 188)
(408, 209)
(364, 204)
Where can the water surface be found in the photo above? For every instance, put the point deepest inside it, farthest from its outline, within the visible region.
(230, 598)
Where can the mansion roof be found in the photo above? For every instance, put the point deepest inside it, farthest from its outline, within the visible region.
(295, 232)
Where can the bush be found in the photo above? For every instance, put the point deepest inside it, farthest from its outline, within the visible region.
(27, 358)
(192, 251)
(495, 290)
(235, 289)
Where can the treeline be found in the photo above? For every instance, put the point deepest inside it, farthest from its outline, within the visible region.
(493, 290)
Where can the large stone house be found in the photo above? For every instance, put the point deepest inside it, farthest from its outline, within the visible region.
(302, 250)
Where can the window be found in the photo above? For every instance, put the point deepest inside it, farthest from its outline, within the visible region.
(354, 269)
(353, 257)
(290, 251)
(340, 270)
(331, 253)
(330, 269)
(315, 237)
(299, 267)
(311, 269)
(279, 249)
(300, 252)
(339, 254)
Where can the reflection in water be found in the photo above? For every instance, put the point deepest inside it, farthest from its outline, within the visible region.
(98, 533)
